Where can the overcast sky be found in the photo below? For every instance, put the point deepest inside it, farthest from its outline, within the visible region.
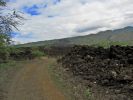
(52, 19)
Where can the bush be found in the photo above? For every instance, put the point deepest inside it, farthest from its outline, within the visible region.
(13, 53)
(37, 53)
(4, 54)
(88, 93)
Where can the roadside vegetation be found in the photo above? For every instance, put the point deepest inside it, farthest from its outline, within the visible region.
(102, 70)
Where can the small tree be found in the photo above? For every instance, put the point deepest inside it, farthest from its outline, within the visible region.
(7, 23)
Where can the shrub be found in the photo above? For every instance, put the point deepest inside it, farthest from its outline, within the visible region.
(4, 54)
(37, 53)
(88, 93)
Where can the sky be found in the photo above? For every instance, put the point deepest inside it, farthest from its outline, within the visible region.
(54, 19)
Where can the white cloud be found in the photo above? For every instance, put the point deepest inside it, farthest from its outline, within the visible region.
(74, 17)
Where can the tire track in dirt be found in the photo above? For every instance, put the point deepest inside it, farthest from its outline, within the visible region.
(33, 82)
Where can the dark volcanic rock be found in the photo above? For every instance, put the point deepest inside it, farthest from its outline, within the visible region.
(110, 67)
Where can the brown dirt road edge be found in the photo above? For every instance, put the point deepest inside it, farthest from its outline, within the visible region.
(33, 82)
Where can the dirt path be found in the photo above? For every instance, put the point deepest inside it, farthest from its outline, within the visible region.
(33, 82)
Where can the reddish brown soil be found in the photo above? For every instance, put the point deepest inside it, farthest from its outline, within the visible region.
(34, 82)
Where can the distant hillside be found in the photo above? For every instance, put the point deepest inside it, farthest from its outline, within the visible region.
(122, 36)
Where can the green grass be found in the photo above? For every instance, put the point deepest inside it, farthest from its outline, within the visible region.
(58, 78)
(65, 82)
(9, 66)
(88, 94)
(107, 43)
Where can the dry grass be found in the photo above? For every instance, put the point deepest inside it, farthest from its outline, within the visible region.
(71, 86)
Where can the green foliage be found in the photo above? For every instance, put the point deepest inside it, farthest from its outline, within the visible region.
(88, 93)
(4, 54)
(37, 53)
(4, 40)
(25, 53)
(119, 43)
(8, 22)
(13, 53)
(8, 64)
(4, 50)
(107, 43)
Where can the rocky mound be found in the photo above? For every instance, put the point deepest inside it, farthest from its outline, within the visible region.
(110, 68)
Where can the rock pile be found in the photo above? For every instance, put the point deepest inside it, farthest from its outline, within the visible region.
(108, 67)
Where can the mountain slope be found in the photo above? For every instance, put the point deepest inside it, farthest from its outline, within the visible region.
(122, 36)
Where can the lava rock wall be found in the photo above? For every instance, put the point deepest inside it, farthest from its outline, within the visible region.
(110, 67)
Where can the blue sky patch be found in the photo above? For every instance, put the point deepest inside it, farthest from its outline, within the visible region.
(9, 0)
(45, 6)
(15, 34)
(56, 1)
(33, 10)
(18, 35)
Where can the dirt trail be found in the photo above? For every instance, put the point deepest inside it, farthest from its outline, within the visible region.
(33, 82)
